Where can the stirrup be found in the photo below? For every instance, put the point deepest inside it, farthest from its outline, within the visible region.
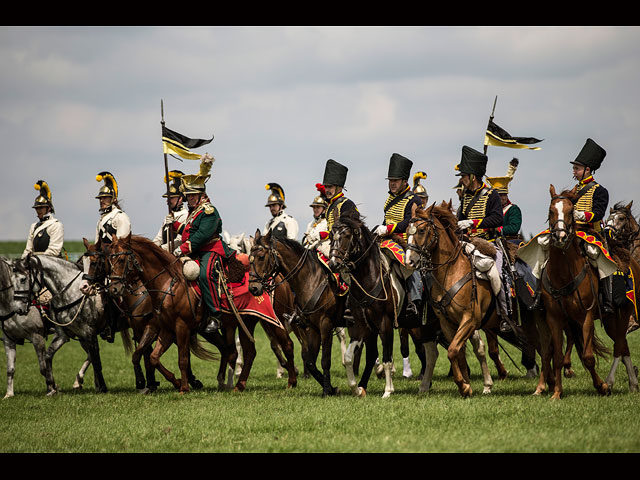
(212, 325)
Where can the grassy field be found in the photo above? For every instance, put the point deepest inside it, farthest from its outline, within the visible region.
(267, 417)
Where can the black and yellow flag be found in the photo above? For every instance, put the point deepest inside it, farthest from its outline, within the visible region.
(498, 137)
(178, 144)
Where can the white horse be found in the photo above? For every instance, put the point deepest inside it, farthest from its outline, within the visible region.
(77, 315)
(20, 325)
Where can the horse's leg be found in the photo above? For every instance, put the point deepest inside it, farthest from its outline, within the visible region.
(371, 348)
(404, 351)
(554, 380)
(588, 355)
(431, 356)
(342, 336)
(240, 359)
(419, 349)
(182, 340)
(479, 350)
(311, 356)
(494, 354)
(544, 345)
(79, 380)
(191, 378)
(285, 345)
(92, 347)
(143, 350)
(40, 347)
(465, 330)
(566, 362)
(616, 327)
(326, 338)
(249, 354)
(387, 336)
(10, 351)
(161, 346)
(352, 349)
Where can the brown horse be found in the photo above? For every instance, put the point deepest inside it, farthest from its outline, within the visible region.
(180, 312)
(570, 296)
(462, 302)
(137, 307)
(315, 296)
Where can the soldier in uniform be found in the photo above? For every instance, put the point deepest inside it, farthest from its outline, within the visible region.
(335, 177)
(419, 190)
(112, 221)
(311, 237)
(399, 209)
(512, 215)
(46, 236)
(201, 239)
(179, 212)
(281, 224)
(480, 211)
(592, 204)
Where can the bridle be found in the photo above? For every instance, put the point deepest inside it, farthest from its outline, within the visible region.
(426, 259)
(624, 235)
(567, 227)
(275, 267)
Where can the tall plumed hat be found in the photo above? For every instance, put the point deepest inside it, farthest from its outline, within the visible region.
(44, 197)
(195, 183)
(110, 187)
(399, 167)
(174, 183)
(334, 173)
(502, 183)
(276, 197)
(418, 188)
(591, 155)
(472, 163)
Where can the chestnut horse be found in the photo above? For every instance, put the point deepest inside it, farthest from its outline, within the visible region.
(315, 296)
(180, 312)
(570, 297)
(462, 302)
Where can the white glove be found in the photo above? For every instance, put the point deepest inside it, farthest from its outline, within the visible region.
(380, 230)
(177, 252)
(465, 224)
(579, 216)
(312, 238)
(168, 220)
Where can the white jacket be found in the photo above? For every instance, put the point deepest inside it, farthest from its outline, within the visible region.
(287, 220)
(180, 216)
(114, 221)
(311, 238)
(51, 227)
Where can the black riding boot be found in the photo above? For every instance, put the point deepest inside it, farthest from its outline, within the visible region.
(606, 287)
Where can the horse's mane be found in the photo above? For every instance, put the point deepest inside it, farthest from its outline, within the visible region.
(292, 244)
(355, 222)
(444, 215)
(145, 248)
(570, 194)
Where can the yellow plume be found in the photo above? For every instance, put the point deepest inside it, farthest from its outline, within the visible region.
(417, 177)
(276, 189)
(109, 181)
(205, 164)
(44, 189)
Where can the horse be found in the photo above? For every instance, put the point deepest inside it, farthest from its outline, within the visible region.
(286, 261)
(376, 305)
(136, 306)
(570, 297)
(462, 302)
(78, 316)
(17, 328)
(624, 228)
(179, 309)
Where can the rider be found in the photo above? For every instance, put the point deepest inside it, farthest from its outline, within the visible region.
(592, 204)
(419, 190)
(399, 209)
(281, 224)
(112, 221)
(201, 238)
(46, 236)
(178, 213)
(332, 186)
(311, 237)
(512, 215)
(480, 211)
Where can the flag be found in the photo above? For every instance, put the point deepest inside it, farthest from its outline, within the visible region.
(498, 137)
(178, 144)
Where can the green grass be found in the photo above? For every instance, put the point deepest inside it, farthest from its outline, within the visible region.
(14, 248)
(268, 417)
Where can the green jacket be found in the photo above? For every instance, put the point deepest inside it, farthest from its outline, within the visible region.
(512, 220)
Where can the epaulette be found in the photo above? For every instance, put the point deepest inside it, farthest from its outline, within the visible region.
(208, 208)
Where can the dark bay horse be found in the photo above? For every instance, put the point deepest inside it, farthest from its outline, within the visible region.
(570, 297)
(315, 296)
(374, 301)
(462, 302)
(179, 310)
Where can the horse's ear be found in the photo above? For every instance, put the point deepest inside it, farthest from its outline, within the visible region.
(630, 204)
(86, 243)
(450, 204)
(257, 236)
(552, 190)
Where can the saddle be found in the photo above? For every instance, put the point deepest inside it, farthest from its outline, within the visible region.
(343, 287)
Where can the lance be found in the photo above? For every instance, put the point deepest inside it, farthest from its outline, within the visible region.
(490, 120)
(166, 176)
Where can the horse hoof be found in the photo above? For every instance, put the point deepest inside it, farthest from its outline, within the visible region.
(52, 393)
(486, 391)
(196, 384)
(143, 391)
(361, 392)
(569, 373)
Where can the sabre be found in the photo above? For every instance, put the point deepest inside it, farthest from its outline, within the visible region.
(491, 119)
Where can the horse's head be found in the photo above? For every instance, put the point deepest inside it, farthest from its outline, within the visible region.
(422, 237)
(121, 264)
(561, 222)
(346, 237)
(25, 285)
(93, 261)
(621, 223)
(263, 263)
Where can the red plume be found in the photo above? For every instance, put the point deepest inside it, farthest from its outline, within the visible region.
(320, 188)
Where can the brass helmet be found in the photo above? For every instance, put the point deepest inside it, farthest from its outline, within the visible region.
(418, 188)
(277, 195)
(44, 198)
(319, 201)
(196, 183)
(174, 188)
(502, 183)
(110, 187)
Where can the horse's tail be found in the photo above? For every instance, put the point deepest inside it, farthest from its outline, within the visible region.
(199, 351)
(599, 348)
(127, 342)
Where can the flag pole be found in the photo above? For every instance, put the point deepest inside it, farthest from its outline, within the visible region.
(166, 176)
(491, 120)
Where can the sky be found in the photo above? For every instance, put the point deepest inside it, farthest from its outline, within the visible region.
(281, 101)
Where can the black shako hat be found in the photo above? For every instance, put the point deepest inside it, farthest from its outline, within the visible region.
(591, 155)
(399, 167)
(472, 162)
(334, 173)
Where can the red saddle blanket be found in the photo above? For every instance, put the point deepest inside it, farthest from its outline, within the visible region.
(344, 288)
(397, 252)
